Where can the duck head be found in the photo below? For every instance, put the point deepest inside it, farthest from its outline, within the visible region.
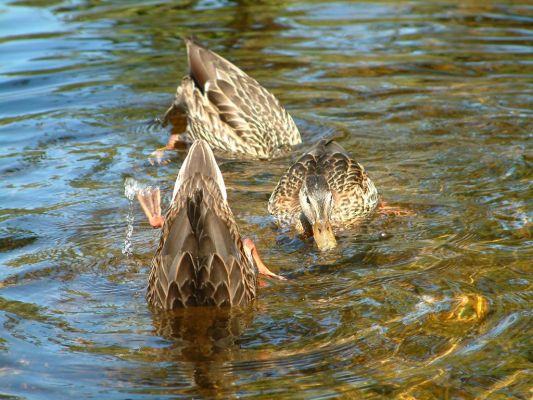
(316, 201)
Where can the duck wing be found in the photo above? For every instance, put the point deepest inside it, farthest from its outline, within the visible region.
(284, 203)
(353, 192)
(200, 161)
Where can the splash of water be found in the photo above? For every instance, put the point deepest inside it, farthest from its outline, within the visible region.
(131, 186)
(131, 189)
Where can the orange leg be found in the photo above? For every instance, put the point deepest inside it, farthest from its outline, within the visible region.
(174, 141)
(159, 154)
(386, 209)
(263, 269)
(150, 201)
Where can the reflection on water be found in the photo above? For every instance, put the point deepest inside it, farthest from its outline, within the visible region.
(205, 338)
(434, 98)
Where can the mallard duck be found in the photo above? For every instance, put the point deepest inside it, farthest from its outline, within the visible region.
(325, 190)
(201, 259)
(230, 110)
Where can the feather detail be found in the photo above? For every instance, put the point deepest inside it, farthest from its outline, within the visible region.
(231, 110)
(200, 260)
(354, 194)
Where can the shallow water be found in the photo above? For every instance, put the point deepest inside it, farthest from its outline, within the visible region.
(433, 98)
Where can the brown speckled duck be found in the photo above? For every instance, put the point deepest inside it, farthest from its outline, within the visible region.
(230, 110)
(201, 259)
(325, 190)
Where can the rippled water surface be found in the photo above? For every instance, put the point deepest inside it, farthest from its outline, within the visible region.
(434, 98)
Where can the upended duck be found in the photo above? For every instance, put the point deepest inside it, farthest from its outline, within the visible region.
(201, 259)
(230, 110)
(323, 191)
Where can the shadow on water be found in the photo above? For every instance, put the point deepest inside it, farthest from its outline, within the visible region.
(206, 339)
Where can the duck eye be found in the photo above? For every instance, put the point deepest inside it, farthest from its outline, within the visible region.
(308, 201)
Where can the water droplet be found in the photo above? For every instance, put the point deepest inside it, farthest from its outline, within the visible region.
(131, 187)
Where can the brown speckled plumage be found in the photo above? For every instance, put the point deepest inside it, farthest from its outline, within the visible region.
(230, 110)
(354, 194)
(200, 260)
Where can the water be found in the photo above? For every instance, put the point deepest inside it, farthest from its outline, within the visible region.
(434, 98)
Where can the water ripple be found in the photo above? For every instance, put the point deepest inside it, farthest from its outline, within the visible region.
(432, 98)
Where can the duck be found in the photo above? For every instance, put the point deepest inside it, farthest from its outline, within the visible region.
(201, 259)
(323, 192)
(229, 109)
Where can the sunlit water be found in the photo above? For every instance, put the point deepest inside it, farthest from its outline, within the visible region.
(433, 98)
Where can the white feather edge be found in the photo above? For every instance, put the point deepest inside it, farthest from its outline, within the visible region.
(179, 179)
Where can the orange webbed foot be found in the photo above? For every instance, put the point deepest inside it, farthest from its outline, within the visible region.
(150, 201)
(175, 141)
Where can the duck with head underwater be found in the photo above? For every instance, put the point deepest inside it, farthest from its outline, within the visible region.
(201, 260)
(229, 109)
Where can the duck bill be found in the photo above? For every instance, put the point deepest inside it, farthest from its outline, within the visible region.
(324, 237)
